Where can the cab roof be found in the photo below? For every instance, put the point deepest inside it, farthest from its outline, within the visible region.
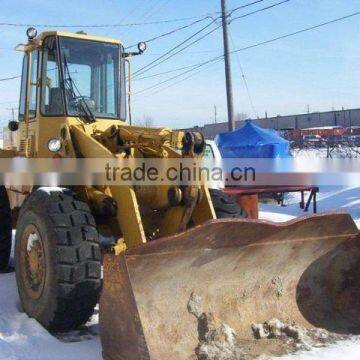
(78, 36)
(36, 43)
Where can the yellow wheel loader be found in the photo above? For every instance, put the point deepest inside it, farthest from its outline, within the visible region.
(172, 265)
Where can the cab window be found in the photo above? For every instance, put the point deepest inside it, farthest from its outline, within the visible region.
(33, 83)
(51, 94)
(22, 102)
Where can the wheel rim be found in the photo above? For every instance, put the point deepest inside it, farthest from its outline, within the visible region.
(32, 262)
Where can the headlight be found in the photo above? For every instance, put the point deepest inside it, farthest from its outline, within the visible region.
(54, 145)
(31, 33)
(142, 47)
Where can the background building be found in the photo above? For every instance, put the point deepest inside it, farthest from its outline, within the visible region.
(343, 118)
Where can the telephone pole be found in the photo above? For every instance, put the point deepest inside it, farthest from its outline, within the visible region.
(11, 135)
(12, 112)
(215, 114)
(229, 93)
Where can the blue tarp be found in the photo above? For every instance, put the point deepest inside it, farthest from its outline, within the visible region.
(252, 141)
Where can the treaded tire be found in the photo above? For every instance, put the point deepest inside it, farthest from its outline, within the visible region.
(72, 276)
(5, 229)
(225, 205)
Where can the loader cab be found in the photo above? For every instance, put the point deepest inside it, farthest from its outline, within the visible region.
(68, 77)
(80, 70)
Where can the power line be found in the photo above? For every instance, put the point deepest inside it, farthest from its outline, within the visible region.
(148, 11)
(260, 10)
(264, 43)
(165, 21)
(193, 23)
(188, 77)
(130, 13)
(10, 78)
(244, 6)
(179, 51)
(153, 64)
(207, 16)
(173, 31)
(162, 56)
(157, 6)
(155, 53)
(243, 77)
(179, 75)
(167, 72)
(296, 32)
(192, 67)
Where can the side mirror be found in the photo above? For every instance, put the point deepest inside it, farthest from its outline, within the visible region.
(13, 125)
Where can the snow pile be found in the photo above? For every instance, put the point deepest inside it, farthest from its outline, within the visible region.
(217, 340)
(295, 336)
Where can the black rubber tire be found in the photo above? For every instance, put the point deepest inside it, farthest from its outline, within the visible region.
(225, 205)
(72, 259)
(5, 229)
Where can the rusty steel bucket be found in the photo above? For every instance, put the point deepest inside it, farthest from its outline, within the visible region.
(244, 271)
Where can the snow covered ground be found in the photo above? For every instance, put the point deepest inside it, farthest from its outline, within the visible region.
(22, 338)
(345, 350)
(329, 199)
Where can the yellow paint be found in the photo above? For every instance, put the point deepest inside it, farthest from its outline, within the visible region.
(204, 210)
(143, 212)
(128, 215)
(119, 248)
(44, 34)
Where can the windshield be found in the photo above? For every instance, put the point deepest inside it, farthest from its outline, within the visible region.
(91, 77)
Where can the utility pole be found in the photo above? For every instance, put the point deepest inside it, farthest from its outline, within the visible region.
(12, 112)
(229, 93)
(11, 135)
(215, 114)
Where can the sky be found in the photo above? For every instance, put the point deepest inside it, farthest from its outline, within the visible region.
(318, 68)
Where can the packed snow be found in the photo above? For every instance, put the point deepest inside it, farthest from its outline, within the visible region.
(22, 338)
(328, 199)
(345, 350)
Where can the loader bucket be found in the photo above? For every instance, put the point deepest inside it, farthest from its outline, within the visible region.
(241, 271)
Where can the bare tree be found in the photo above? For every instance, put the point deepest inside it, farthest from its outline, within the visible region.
(147, 121)
(331, 147)
(241, 116)
(342, 147)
